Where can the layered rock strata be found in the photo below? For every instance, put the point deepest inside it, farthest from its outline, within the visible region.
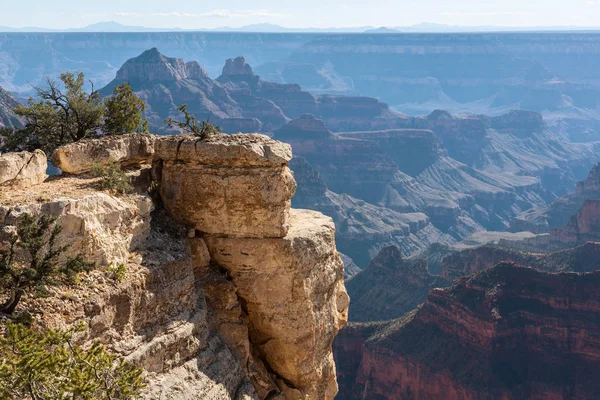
(585, 258)
(284, 266)
(583, 226)
(246, 307)
(505, 333)
(128, 150)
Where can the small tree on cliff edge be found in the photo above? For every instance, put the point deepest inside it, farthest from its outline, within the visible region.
(33, 261)
(65, 113)
(60, 116)
(204, 131)
(124, 112)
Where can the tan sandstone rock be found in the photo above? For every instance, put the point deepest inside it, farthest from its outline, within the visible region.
(129, 150)
(103, 228)
(237, 185)
(23, 168)
(293, 291)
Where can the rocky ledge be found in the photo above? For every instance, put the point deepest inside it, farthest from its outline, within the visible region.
(239, 300)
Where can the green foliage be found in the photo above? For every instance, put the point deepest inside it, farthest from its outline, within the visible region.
(124, 112)
(34, 261)
(63, 112)
(47, 365)
(60, 116)
(113, 178)
(204, 131)
(117, 271)
(12, 139)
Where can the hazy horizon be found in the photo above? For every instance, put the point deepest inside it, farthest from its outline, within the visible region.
(307, 14)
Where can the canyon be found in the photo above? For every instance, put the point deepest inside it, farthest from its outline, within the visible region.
(456, 174)
(494, 335)
(228, 292)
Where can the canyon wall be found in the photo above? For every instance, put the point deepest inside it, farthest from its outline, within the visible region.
(505, 333)
(228, 292)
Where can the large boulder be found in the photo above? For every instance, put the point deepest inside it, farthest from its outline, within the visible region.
(23, 169)
(235, 185)
(128, 150)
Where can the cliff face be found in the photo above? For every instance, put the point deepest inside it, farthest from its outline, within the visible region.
(233, 304)
(582, 227)
(558, 213)
(579, 259)
(7, 105)
(238, 99)
(505, 333)
(363, 229)
(389, 287)
(409, 170)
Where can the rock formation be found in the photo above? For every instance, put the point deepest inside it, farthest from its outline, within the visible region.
(505, 333)
(23, 169)
(7, 116)
(464, 263)
(239, 99)
(128, 150)
(389, 287)
(363, 229)
(558, 213)
(582, 227)
(409, 170)
(242, 299)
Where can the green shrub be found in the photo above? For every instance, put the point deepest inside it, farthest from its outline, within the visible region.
(204, 131)
(113, 178)
(34, 261)
(117, 272)
(45, 364)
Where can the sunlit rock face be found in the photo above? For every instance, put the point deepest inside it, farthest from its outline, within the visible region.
(227, 293)
(235, 192)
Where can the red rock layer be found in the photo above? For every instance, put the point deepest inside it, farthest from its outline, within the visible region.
(505, 333)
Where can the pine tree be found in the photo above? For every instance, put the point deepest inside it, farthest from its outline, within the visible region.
(123, 112)
(60, 116)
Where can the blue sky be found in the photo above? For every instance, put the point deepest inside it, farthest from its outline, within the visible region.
(299, 13)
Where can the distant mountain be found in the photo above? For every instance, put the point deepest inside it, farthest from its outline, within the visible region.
(112, 26)
(239, 100)
(109, 26)
(383, 29)
(272, 28)
(425, 27)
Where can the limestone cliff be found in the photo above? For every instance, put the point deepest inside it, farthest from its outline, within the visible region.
(228, 292)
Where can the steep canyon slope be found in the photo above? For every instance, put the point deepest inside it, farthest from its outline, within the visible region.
(505, 333)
